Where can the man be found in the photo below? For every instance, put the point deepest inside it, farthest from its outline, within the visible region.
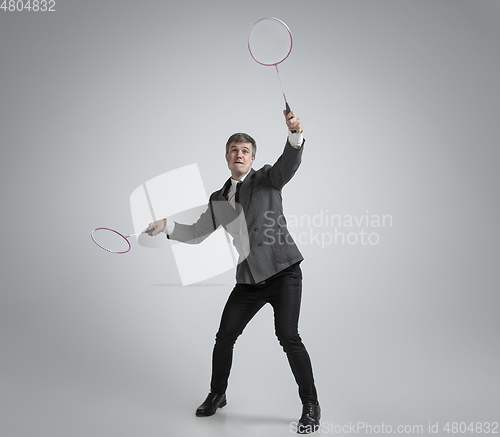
(249, 207)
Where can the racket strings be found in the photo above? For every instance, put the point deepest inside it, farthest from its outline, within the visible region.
(270, 41)
(110, 240)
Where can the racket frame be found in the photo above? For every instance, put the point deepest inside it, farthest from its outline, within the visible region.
(287, 106)
(116, 232)
(291, 42)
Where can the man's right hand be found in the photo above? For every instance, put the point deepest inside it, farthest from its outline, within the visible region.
(156, 227)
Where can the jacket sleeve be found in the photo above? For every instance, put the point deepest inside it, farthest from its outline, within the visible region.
(198, 231)
(285, 166)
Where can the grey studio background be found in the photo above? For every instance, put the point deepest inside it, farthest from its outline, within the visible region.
(399, 101)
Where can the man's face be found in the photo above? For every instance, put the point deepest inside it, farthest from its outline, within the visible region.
(239, 159)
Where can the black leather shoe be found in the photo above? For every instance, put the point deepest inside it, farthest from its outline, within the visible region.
(212, 402)
(309, 422)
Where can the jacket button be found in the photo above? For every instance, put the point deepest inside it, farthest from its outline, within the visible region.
(260, 244)
(256, 229)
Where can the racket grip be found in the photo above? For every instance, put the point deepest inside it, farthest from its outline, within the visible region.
(288, 110)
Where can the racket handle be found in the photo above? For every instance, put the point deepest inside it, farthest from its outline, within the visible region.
(288, 110)
(140, 233)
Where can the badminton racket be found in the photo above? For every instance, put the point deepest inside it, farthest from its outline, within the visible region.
(113, 241)
(270, 43)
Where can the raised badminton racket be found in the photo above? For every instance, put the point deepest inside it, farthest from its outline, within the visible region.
(270, 43)
(113, 241)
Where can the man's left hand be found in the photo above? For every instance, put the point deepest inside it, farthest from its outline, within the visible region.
(292, 122)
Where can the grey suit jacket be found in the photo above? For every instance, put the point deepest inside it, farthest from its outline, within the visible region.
(258, 226)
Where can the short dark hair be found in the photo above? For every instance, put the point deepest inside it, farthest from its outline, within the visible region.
(241, 138)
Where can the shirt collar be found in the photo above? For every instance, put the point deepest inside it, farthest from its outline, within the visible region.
(234, 182)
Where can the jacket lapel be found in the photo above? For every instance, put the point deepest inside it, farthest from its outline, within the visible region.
(223, 191)
(224, 212)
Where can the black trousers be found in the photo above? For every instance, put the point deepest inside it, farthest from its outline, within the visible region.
(283, 291)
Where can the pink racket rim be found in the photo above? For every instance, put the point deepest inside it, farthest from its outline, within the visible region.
(291, 41)
(105, 248)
